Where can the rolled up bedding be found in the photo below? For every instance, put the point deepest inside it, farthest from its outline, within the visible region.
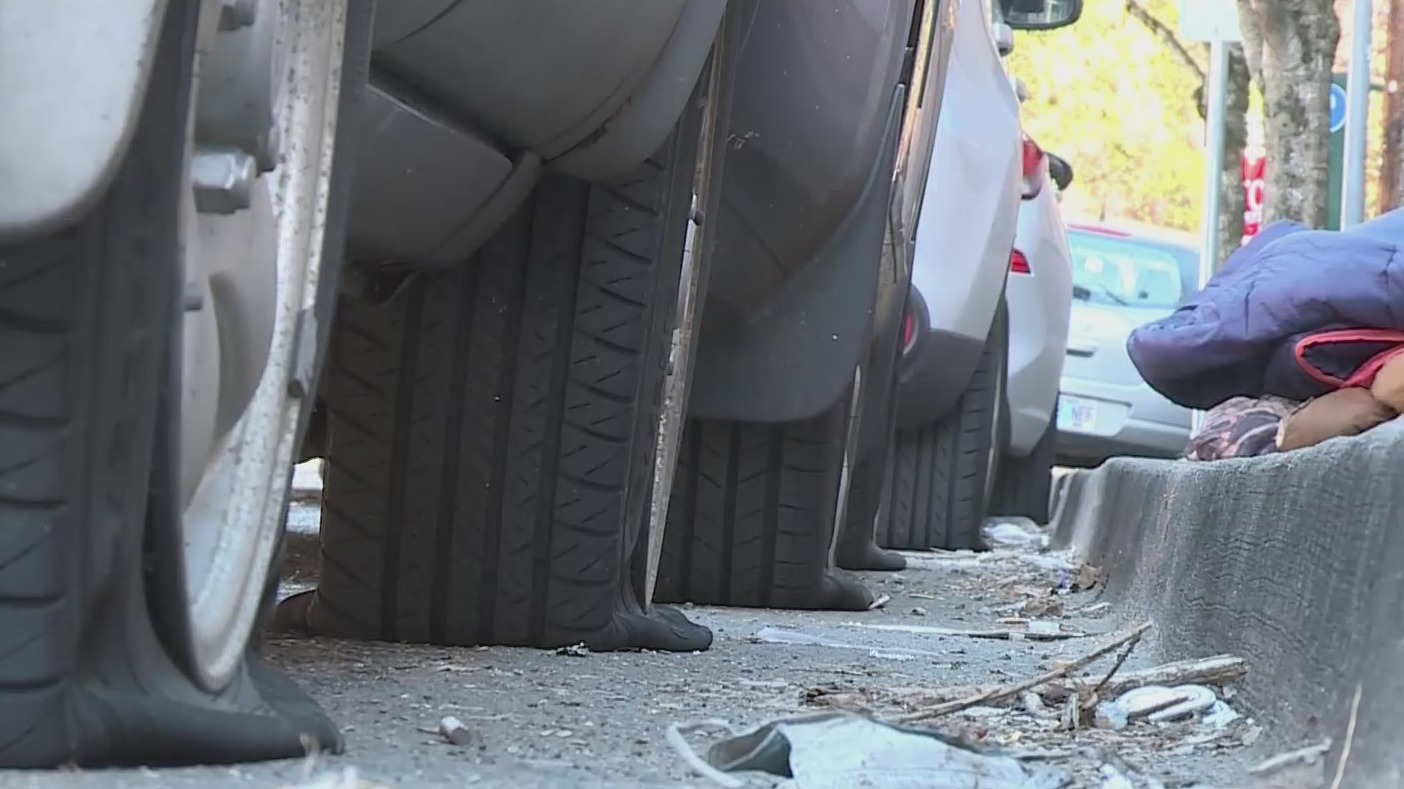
(1295, 313)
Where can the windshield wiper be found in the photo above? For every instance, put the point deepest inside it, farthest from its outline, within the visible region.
(1109, 293)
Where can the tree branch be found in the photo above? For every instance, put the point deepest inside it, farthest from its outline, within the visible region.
(1145, 17)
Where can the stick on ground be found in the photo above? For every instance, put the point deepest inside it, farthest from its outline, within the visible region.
(1125, 653)
(1217, 670)
(1001, 692)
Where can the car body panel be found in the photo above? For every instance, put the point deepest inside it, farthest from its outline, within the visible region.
(808, 201)
(59, 149)
(967, 223)
(462, 122)
(533, 74)
(1107, 407)
(1040, 303)
(472, 100)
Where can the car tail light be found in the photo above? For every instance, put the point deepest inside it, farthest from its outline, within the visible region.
(908, 331)
(1019, 263)
(1035, 169)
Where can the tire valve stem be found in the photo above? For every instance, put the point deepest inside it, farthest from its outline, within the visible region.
(194, 297)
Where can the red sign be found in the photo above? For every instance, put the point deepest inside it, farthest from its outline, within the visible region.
(1254, 181)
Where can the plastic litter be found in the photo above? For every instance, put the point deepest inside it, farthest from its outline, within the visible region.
(840, 750)
(775, 635)
(1015, 534)
(1160, 704)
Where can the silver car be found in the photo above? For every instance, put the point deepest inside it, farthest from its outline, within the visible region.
(1124, 275)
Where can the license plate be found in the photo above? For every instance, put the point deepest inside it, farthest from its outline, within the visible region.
(1076, 414)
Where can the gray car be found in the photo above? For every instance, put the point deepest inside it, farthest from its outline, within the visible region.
(1124, 275)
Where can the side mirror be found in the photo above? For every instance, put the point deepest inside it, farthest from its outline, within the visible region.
(1021, 91)
(1081, 293)
(1059, 170)
(1004, 38)
(1040, 14)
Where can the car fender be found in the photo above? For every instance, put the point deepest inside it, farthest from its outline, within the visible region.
(966, 225)
(794, 360)
(72, 79)
(971, 206)
(808, 209)
(1040, 304)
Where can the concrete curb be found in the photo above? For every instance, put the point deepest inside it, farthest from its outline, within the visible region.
(307, 481)
(1294, 561)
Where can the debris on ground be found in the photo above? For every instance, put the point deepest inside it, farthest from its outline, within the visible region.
(346, 778)
(841, 750)
(453, 730)
(1180, 708)
(1015, 533)
(999, 640)
(1026, 629)
(1300, 768)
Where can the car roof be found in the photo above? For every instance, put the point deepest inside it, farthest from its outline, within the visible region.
(1138, 230)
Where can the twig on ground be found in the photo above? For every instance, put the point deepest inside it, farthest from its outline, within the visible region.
(1120, 659)
(1002, 692)
(1305, 755)
(1349, 738)
(1217, 670)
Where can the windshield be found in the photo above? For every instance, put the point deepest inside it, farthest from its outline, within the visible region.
(1128, 272)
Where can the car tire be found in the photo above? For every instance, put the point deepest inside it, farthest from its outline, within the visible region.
(941, 478)
(491, 427)
(93, 658)
(752, 516)
(1026, 484)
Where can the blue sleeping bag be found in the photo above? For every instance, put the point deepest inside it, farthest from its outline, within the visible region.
(1284, 316)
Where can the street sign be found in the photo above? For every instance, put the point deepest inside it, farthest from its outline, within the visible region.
(1210, 20)
(1338, 107)
(1254, 190)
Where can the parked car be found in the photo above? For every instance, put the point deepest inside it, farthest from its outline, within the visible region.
(1124, 275)
(497, 337)
(1039, 295)
(953, 417)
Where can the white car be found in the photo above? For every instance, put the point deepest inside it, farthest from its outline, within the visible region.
(1039, 294)
(964, 347)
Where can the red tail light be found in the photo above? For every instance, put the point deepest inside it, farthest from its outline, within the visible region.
(1019, 263)
(908, 331)
(1035, 169)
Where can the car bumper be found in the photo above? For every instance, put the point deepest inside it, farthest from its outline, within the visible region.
(1128, 421)
(1039, 307)
(933, 374)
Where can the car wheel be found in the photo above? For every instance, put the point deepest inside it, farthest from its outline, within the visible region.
(753, 516)
(942, 476)
(157, 358)
(491, 428)
(1026, 484)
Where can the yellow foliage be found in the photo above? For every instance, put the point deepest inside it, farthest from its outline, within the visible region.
(1109, 96)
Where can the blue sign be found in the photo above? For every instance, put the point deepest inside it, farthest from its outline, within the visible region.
(1338, 107)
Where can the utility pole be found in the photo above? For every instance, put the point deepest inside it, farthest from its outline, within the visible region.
(1390, 192)
(1357, 110)
(1216, 22)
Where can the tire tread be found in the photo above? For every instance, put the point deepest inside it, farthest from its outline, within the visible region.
(497, 498)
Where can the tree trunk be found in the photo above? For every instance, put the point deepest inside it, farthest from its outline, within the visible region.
(1232, 199)
(1290, 46)
(1390, 176)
